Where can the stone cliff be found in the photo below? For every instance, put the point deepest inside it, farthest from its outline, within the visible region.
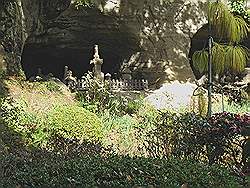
(152, 37)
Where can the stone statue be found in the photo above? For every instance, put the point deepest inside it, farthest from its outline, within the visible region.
(70, 81)
(97, 69)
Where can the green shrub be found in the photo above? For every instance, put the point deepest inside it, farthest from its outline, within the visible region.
(218, 140)
(52, 86)
(74, 122)
(98, 97)
(121, 133)
(111, 171)
(63, 121)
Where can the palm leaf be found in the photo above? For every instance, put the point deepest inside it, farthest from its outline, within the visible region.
(218, 58)
(219, 17)
(237, 29)
(200, 60)
(236, 58)
(234, 28)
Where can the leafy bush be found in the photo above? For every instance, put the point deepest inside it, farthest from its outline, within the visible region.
(218, 140)
(62, 121)
(121, 133)
(112, 171)
(52, 86)
(98, 97)
(74, 122)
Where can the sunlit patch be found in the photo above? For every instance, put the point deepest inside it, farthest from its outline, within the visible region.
(173, 95)
(112, 5)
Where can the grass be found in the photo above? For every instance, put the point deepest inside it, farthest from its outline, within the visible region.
(232, 107)
(39, 97)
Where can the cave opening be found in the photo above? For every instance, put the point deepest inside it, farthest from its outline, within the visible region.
(51, 59)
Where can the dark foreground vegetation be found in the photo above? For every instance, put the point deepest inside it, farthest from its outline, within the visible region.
(49, 140)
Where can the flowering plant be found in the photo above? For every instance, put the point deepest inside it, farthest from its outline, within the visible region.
(230, 124)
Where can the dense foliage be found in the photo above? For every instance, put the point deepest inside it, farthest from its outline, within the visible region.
(39, 130)
(112, 171)
(217, 140)
(98, 97)
(72, 147)
(238, 7)
(231, 27)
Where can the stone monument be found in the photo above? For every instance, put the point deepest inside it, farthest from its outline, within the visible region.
(97, 69)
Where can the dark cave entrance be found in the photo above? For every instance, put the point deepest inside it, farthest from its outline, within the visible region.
(53, 60)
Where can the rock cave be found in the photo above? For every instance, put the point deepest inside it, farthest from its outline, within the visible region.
(70, 39)
(51, 59)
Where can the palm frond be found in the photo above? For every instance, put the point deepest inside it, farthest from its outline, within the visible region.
(218, 58)
(236, 58)
(200, 59)
(219, 17)
(234, 28)
(238, 29)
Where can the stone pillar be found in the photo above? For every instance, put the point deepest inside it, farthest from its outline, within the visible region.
(97, 69)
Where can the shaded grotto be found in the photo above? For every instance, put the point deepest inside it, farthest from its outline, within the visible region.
(70, 39)
(53, 60)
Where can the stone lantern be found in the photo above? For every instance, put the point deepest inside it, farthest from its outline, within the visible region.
(97, 69)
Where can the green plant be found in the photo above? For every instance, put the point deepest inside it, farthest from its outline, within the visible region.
(198, 58)
(234, 27)
(227, 54)
(98, 97)
(62, 121)
(121, 133)
(52, 86)
(217, 140)
(74, 122)
(236, 58)
(238, 8)
(50, 170)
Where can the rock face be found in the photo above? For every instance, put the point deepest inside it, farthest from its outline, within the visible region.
(20, 19)
(153, 37)
(69, 40)
(165, 29)
(11, 35)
